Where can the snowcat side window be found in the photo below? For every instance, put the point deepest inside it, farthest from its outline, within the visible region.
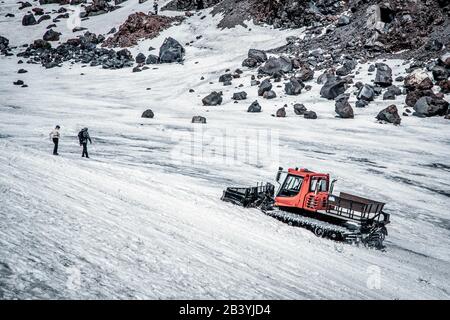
(291, 186)
(320, 183)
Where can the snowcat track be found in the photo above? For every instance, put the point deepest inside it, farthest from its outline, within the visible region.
(319, 228)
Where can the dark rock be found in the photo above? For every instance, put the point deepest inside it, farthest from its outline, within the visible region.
(429, 107)
(227, 77)
(240, 95)
(148, 114)
(28, 20)
(293, 87)
(332, 88)
(305, 74)
(269, 94)
(22, 71)
(342, 107)
(152, 59)
(413, 96)
(266, 85)
(276, 66)
(445, 86)
(400, 79)
(281, 113)
(343, 21)
(389, 95)
(137, 69)
(299, 109)
(198, 119)
(390, 114)
(383, 77)
(395, 90)
(434, 45)
(213, 99)
(140, 58)
(250, 63)
(366, 93)
(414, 80)
(171, 51)
(43, 18)
(18, 82)
(9, 15)
(323, 78)
(51, 35)
(258, 55)
(310, 115)
(254, 107)
(361, 104)
(440, 73)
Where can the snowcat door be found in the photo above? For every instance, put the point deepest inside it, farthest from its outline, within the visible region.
(289, 194)
(317, 196)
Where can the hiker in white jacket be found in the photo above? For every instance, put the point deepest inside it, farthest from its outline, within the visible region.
(54, 135)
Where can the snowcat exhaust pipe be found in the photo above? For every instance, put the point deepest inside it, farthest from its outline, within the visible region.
(280, 170)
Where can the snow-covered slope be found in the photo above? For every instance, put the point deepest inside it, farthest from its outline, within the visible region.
(143, 219)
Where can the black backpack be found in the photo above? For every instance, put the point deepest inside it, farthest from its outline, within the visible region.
(80, 136)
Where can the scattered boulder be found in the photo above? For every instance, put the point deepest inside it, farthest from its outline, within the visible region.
(250, 63)
(227, 77)
(414, 80)
(429, 107)
(343, 107)
(332, 88)
(240, 95)
(18, 82)
(324, 77)
(445, 86)
(310, 115)
(22, 71)
(29, 20)
(343, 21)
(213, 99)
(299, 109)
(198, 119)
(383, 77)
(254, 107)
(171, 51)
(389, 95)
(366, 93)
(389, 114)
(281, 113)
(152, 59)
(258, 55)
(140, 58)
(266, 85)
(269, 94)
(440, 73)
(361, 104)
(276, 66)
(413, 96)
(51, 35)
(293, 87)
(305, 74)
(148, 114)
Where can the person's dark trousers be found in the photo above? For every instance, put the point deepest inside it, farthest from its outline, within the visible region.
(55, 148)
(85, 152)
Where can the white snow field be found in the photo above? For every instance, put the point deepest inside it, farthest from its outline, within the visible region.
(143, 218)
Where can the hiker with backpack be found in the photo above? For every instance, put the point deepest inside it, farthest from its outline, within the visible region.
(54, 136)
(83, 137)
(155, 6)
